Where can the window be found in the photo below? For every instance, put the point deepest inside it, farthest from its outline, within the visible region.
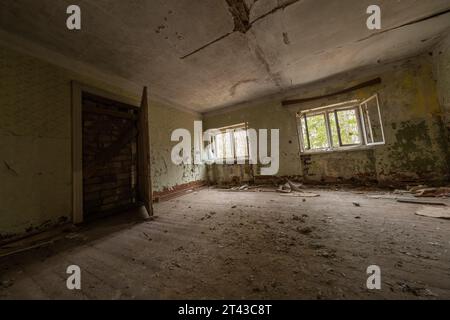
(342, 126)
(231, 143)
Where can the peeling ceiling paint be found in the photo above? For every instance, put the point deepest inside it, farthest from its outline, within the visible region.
(207, 55)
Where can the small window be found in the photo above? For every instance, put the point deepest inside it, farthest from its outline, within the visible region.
(342, 126)
(231, 143)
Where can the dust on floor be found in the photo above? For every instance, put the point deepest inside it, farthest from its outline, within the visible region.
(216, 245)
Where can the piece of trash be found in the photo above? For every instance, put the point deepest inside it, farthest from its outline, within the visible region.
(305, 230)
(416, 188)
(416, 201)
(425, 191)
(298, 218)
(432, 192)
(6, 284)
(73, 235)
(302, 195)
(401, 192)
(417, 291)
(433, 212)
(295, 186)
(356, 204)
(286, 188)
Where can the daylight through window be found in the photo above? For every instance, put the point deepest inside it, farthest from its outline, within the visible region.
(343, 126)
(231, 143)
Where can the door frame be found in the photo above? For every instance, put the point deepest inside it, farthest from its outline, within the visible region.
(77, 140)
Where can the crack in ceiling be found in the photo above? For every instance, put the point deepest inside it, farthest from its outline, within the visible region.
(240, 12)
(241, 15)
(435, 15)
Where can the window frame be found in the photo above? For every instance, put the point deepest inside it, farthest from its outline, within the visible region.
(243, 127)
(326, 111)
(368, 117)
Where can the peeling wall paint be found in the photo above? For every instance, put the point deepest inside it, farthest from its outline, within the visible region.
(415, 147)
(165, 174)
(265, 116)
(35, 143)
(441, 56)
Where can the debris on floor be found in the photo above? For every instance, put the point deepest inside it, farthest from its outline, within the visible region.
(427, 202)
(295, 186)
(290, 186)
(423, 191)
(285, 188)
(305, 230)
(432, 192)
(6, 283)
(388, 196)
(417, 195)
(417, 291)
(433, 212)
(301, 194)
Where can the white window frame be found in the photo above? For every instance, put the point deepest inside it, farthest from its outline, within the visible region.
(359, 108)
(233, 129)
(364, 103)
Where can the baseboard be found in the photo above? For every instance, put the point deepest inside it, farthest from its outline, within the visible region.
(178, 191)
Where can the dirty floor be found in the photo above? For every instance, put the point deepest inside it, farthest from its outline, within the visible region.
(249, 245)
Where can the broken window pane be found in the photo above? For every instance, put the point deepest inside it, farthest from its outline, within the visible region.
(317, 130)
(348, 127)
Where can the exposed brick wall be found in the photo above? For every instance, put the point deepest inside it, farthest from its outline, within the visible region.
(112, 185)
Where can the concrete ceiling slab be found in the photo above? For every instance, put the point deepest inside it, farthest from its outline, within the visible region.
(210, 54)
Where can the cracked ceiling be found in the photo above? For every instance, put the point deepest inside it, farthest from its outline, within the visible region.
(211, 54)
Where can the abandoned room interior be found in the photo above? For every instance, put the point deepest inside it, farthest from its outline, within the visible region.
(225, 149)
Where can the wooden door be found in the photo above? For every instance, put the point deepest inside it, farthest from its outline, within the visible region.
(144, 160)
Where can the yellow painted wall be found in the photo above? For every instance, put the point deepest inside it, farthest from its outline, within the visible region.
(35, 143)
(412, 117)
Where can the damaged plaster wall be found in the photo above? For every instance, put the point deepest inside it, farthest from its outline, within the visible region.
(269, 115)
(441, 56)
(165, 174)
(415, 147)
(36, 143)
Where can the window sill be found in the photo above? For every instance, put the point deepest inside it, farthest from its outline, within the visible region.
(224, 162)
(348, 149)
